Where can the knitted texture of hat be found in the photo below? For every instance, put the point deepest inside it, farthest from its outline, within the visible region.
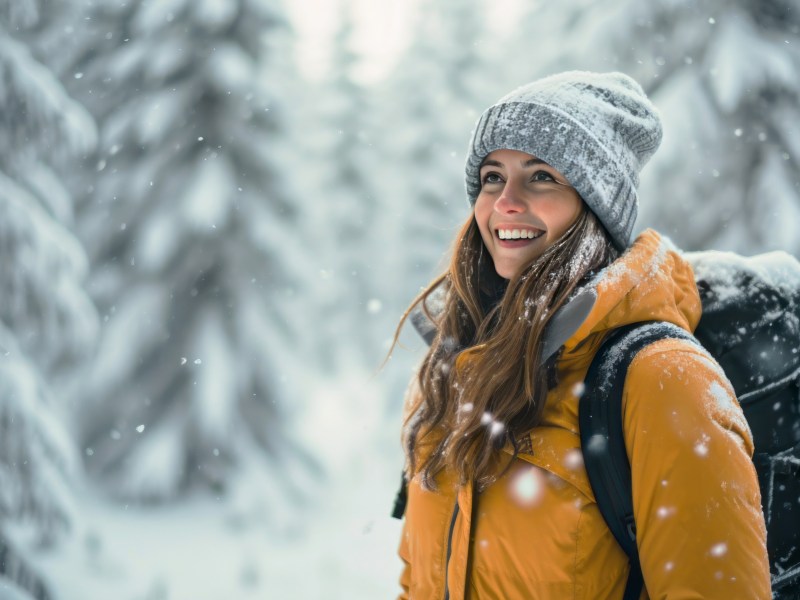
(597, 129)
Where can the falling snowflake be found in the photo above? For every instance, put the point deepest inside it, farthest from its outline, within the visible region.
(496, 428)
(665, 511)
(701, 447)
(573, 459)
(527, 487)
(718, 550)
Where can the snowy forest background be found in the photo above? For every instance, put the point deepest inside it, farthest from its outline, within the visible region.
(205, 251)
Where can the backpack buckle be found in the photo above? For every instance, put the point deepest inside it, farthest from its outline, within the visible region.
(630, 527)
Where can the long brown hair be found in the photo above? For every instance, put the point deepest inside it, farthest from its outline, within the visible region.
(495, 394)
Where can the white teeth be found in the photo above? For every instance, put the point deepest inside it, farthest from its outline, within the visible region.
(516, 234)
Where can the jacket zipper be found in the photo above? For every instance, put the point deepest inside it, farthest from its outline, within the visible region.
(449, 550)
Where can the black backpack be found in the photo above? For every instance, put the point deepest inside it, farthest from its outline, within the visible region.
(751, 326)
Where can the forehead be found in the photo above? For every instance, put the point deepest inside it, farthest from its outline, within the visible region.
(506, 157)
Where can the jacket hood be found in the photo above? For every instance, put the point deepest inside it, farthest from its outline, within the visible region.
(651, 281)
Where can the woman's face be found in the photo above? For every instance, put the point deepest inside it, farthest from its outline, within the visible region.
(523, 207)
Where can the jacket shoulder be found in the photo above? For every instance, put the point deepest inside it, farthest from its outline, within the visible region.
(680, 382)
(690, 453)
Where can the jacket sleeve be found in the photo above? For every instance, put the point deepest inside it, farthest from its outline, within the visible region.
(405, 576)
(411, 395)
(700, 528)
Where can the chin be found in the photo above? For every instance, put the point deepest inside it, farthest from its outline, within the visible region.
(506, 272)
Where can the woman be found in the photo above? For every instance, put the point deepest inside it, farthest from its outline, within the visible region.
(499, 504)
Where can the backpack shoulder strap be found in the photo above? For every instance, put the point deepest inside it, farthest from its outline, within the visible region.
(602, 440)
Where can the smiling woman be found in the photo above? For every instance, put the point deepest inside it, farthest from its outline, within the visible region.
(499, 503)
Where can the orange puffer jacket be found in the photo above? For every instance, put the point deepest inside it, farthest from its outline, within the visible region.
(537, 532)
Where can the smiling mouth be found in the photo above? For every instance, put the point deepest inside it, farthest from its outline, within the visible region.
(519, 234)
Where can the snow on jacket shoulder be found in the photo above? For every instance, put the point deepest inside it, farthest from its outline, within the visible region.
(537, 532)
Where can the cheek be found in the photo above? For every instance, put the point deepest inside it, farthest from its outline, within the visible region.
(483, 211)
(563, 214)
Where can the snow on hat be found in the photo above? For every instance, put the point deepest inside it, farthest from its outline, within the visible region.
(598, 129)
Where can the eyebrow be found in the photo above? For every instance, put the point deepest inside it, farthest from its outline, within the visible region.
(528, 163)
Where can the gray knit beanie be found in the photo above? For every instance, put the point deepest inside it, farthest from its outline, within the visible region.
(598, 129)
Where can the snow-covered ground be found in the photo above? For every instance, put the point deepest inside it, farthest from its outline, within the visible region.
(204, 549)
(338, 542)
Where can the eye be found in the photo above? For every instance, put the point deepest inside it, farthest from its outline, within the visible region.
(542, 176)
(491, 177)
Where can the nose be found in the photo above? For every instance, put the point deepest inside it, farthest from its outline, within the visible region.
(510, 201)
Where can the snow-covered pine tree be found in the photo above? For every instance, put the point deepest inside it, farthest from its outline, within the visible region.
(47, 321)
(191, 230)
(725, 76)
(431, 99)
(343, 210)
(340, 207)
